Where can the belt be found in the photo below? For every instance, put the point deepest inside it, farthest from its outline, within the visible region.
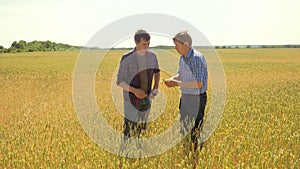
(201, 94)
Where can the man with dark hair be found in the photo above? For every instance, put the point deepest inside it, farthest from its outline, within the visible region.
(136, 71)
(192, 78)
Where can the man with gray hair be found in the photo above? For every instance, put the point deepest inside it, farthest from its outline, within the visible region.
(192, 78)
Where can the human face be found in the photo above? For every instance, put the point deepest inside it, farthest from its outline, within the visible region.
(181, 48)
(142, 46)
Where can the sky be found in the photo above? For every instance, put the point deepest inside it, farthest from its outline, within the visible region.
(75, 22)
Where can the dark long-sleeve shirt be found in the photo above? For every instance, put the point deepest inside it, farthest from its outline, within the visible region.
(132, 71)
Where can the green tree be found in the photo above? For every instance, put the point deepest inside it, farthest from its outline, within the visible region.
(22, 44)
(14, 44)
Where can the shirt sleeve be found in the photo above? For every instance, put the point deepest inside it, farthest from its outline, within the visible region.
(121, 77)
(200, 70)
(179, 66)
(156, 66)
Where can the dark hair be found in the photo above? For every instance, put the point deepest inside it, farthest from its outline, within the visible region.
(141, 34)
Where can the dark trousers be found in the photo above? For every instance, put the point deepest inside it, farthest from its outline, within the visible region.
(134, 121)
(132, 128)
(195, 134)
(192, 108)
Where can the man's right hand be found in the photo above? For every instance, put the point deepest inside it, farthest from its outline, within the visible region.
(170, 83)
(139, 93)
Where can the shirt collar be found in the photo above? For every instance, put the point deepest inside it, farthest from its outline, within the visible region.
(135, 51)
(189, 55)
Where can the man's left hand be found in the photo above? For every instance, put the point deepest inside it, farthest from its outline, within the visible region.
(154, 92)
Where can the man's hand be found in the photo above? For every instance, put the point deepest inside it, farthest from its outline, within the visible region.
(154, 92)
(139, 93)
(170, 83)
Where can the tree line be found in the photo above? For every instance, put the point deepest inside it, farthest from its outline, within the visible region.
(45, 46)
(256, 46)
(37, 46)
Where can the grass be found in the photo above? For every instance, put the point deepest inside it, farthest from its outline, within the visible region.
(259, 127)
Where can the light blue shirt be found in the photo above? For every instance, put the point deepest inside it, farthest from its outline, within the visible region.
(193, 67)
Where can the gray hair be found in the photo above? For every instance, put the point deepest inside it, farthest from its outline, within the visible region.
(183, 37)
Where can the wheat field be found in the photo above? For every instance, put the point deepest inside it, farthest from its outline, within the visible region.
(259, 128)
